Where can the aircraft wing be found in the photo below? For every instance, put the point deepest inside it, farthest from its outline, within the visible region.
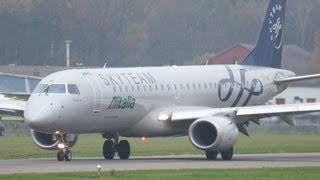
(243, 115)
(10, 105)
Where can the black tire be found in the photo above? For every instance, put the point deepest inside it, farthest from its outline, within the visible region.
(228, 154)
(211, 155)
(67, 155)
(123, 149)
(108, 149)
(2, 132)
(60, 155)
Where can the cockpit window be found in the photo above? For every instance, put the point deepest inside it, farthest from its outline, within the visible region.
(40, 88)
(51, 88)
(57, 88)
(73, 89)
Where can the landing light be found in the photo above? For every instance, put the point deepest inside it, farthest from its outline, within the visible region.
(143, 138)
(61, 146)
(163, 117)
(57, 132)
(98, 169)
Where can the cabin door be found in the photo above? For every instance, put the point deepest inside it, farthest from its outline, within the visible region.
(96, 91)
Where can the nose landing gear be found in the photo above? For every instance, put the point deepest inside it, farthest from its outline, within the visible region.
(64, 155)
(110, 147)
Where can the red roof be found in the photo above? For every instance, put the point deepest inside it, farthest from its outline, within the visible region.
(237, 53)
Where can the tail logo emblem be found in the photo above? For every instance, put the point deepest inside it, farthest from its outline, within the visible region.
(275, 25)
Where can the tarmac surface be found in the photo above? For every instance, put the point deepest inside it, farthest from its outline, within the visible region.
(160, 162)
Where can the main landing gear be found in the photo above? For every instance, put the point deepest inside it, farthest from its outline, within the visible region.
(112, 145)
(226, 155)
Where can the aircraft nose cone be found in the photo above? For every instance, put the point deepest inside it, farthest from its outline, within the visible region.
(35, 120)
(41, 117)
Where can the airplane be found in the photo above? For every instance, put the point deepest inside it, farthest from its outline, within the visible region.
(211, 104)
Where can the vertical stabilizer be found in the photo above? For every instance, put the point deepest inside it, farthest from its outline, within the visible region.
(268, 50)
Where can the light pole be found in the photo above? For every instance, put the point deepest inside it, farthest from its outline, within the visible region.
(68, 42)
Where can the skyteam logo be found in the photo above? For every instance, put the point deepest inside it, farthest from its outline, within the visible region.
(276, 26)
(256, 88)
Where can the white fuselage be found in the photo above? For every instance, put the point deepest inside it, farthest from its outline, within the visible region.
(125, 100)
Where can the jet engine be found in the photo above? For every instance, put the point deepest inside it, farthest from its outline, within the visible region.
(216, 133)
(51, 141)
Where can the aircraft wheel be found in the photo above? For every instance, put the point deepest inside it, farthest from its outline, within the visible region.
(211, 155)
(60, 155)
(67, 155)
(108, 149)
(228, 154)
(123, 149)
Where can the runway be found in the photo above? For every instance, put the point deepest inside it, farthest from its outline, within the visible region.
(160, 162)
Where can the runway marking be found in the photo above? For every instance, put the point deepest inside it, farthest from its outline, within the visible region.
(160, 162)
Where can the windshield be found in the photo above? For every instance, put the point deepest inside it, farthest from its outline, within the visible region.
(52, 88)
(57, 88)
(40, 88)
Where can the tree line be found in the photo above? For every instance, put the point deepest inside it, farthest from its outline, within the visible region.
(138, 32)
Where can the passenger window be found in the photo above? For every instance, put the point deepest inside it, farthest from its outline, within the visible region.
(114, 89)
(162, 88)
(57, 88)
(73, 89)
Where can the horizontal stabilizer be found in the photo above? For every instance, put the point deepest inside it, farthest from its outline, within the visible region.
(296, 79)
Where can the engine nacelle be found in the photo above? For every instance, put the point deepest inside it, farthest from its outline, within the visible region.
(51, 141)
(216, 133)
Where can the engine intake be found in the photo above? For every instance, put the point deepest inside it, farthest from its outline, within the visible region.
(216, 133)
(51, 141)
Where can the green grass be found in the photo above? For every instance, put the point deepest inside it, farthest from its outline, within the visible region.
(15, 147)
(231, 174)
(11, 118)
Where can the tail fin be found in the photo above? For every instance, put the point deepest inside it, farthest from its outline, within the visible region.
(268, 50)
